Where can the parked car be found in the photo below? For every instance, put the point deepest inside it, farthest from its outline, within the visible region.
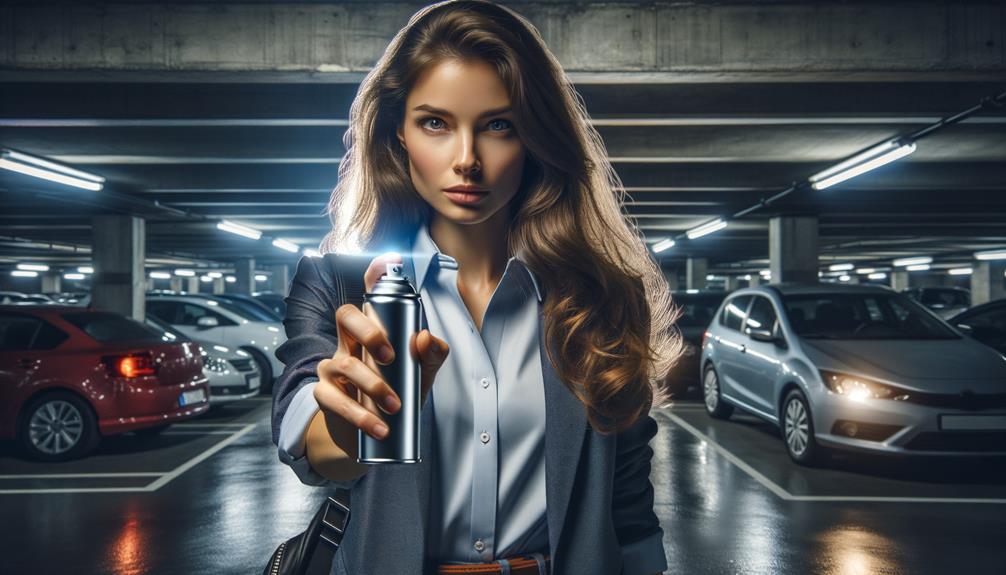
(252, 306)
(697, 310)
(854, 367)
(69, 376)
(12, 297)
(201, 317)
(275, 301)
(986, 323)
(231, 373)
(946, 302)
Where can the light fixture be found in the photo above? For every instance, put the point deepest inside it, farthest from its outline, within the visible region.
(85, 269)
(73, 276)
(33, 267)
(286, 245)
(205, 279)
(865, 270)
(903, 262)
(49, 170)
(706, 229)
(662, 245)
(840, 267)
(160, 275)
(843, 278)
(960, 271)
(312, 253)
(185, 273)
(746, 277)
(24, 274)
(877, 276)
(992, 255)
(261, 278)
(215, 275)
(230, 279)
(691, 291)
(861, 163)
(918, 268)
(238, 229)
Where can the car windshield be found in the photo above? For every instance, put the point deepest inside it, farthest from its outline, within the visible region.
(697, 311)
(944, 298)
(862, 316)
(170, 333)
(246, 310)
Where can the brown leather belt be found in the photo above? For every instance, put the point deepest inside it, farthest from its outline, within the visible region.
(535, 564)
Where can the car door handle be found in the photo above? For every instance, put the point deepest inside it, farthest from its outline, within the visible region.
(25, 363)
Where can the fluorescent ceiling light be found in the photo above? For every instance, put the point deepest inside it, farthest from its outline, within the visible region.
(865, 270)
(215, 275)
(840, 267)
(843, 278)
(862, 163)
(85, 269)
(691, 291)
(230, 279)
(33, 267)
(992, 255)
(877, 276)
(261, 278)
(912, 261)
(24, 274)
(918, 268)
(185, 273)
(205, 279)
(160, 275)
(746, 277)
(312, 253)
(960, 271)
(286, 245)
(238, 229)
(662, 245)
(73, 276)
(49, 170)
(706, 229)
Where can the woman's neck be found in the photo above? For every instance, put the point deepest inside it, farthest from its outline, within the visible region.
(480, 249)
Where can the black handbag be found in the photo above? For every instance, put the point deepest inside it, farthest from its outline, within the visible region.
(312, 552)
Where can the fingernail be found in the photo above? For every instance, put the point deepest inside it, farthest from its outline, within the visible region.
(386, 354)
(392, 403)
(380, 430)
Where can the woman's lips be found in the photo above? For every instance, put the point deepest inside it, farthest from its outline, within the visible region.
(465, 198)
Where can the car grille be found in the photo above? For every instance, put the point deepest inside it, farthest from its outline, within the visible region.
(959, 441)
(963, 401)
(242, 364)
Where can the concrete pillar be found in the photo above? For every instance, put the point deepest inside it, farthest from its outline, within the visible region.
(148, 283)
(192, 284)
(731, 283)
(755, 280)
(792, 248)
(899, 280)
(987, 281)
(695, 272)
(176, 283)
(244, 271)
(51, 282)
(280, 279)
(672, 279)
(118, 251)
(219, 285)
(925, 279)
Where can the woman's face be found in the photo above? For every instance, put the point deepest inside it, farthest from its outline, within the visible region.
(458, 131)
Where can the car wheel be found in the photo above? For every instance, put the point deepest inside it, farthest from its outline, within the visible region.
(798, 431)
(58, 426)
(151, 431)
(715, 406)
(264, 369)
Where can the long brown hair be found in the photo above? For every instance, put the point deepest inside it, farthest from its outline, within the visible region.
(608, 312)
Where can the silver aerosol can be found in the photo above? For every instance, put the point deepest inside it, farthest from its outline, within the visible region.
(399, 310)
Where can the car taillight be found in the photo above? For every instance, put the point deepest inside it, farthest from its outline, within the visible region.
(133, 365)
(705, 336)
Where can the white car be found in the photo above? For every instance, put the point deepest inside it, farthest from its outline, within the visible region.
(206, 318)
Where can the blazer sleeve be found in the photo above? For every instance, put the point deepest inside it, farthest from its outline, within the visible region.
(636, 525)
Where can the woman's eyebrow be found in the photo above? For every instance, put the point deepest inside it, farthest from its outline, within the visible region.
(432, 110)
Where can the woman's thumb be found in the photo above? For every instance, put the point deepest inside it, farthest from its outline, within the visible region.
(433, 350)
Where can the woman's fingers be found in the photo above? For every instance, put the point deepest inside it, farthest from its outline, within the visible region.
(356, 329)
(378, 267)
(333, 399)
(432, 352)
(345, 368)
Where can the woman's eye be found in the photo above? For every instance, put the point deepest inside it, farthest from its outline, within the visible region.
(506, 124)
(425, 123)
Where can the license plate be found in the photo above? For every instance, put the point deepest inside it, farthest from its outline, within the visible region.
(194, 396)
(253, 382)
(973, 422)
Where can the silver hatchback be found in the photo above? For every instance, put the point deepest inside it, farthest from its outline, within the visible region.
(854, 367)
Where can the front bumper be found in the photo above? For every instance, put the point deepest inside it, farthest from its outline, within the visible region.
(233, 385)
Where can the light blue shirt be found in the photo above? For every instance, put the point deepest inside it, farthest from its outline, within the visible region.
(488, 496)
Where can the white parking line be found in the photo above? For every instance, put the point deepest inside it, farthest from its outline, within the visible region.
(787, 496)
(163, 478)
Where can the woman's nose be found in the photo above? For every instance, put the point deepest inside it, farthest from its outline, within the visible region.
(467, 161)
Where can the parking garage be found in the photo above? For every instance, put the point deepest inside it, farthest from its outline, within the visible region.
(172, 163)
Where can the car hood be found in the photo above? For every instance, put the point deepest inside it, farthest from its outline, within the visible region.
(934, 366)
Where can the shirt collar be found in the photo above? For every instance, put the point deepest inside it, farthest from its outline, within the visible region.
(424, 251)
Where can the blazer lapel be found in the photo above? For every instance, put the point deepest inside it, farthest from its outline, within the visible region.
(565, 430)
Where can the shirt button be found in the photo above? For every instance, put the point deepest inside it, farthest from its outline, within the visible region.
(484, 437)
(485, 382)
(479, 545)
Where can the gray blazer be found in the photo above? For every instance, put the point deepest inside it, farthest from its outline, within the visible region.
(599, 496)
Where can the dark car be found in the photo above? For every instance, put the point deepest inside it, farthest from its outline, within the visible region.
(986, 323)
(275, 301)
(946, 302)
(69, 376)
(697, 310)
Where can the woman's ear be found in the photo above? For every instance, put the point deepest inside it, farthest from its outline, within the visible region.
(401, 136)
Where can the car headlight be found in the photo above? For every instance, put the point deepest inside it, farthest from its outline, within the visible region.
(215, 364)
(859, 388)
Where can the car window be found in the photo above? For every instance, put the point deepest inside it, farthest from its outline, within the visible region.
(733, 312)
(112, 328)
(165, 311)
(17, 332)
(944, 298)
(49, 337)
(991, 318)
(762, 315)
(696, 312)
(862, 316)
(249, 311)
(191, 313)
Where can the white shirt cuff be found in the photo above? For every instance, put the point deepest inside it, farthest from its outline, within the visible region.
(645, 557)
(292, 438)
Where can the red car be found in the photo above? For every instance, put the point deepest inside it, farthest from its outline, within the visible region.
(70, 375)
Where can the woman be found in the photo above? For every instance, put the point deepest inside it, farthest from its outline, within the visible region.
(471, 157)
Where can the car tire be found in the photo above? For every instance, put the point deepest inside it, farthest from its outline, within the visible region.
(264, 368)
(715, 406)
(57, 426)
(151, 431)
(797, 429)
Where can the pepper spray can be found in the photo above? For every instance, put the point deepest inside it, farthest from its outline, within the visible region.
(399, 311)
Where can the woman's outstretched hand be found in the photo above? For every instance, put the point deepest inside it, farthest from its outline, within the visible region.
(350, 383)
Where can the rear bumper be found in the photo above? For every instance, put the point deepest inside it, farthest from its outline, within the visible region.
(142, 404)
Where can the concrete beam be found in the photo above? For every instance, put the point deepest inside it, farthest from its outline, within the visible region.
(609, 42)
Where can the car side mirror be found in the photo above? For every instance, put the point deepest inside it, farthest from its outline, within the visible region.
(207, 321)
(759, 334)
